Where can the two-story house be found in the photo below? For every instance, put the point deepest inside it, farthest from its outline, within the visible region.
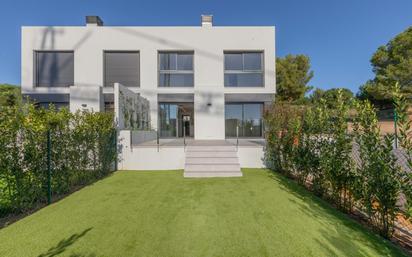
(207, 79)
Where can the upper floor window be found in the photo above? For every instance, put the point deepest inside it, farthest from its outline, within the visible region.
(54, 68)
(176, 69)
(122, 67)
(243, 69)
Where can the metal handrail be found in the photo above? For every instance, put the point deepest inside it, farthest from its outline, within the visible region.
(158, 140)
(184, 138)
(237, 138)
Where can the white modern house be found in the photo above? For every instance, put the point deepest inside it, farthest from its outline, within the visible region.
(207, 84)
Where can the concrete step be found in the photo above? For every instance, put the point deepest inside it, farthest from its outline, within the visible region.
(226, 148)
(214, 161)
(211, 174)
(206, 161)
(212, 167)
(211, 154)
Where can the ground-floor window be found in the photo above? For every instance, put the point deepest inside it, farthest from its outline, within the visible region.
(246, 116)
(176, 120)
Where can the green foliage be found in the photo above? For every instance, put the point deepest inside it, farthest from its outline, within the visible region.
(336, 161)
(405, 140)
(83, 150)
(391, 63)
(380, 182)
(9, 95)
(315, 146)
(282, 121)
(331, 96)
(292, 77)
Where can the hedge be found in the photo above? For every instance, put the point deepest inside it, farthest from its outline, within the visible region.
(83, 149)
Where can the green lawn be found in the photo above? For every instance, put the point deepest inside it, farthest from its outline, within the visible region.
(163, 214)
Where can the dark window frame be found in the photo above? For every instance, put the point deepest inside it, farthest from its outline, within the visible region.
(244, 71)
(241, 125)
(121, 51)
(36, 66)
(176, 71)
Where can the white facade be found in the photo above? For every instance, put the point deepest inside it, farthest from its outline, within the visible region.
(207, 42)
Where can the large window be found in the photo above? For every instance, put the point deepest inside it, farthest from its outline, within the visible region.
(176, 120)
(54, 68)
(122, 67)
(243, 119)
(243, 69)
(176, 69)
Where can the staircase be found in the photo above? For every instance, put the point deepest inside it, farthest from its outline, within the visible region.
(210, 159)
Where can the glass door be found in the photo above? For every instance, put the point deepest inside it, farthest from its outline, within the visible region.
(168, 120)
(233, 118)
(248, 116)
(252, 120)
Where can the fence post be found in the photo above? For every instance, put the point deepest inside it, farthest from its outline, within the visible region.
(115, 149)
(48, 167)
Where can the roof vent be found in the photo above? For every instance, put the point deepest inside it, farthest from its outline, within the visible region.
(93, 21)
(207, 20)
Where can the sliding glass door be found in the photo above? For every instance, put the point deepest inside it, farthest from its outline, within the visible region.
(168, 120)
(176, 120)
(247, 116)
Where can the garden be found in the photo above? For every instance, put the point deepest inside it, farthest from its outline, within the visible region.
(160, 213)
(340, 155)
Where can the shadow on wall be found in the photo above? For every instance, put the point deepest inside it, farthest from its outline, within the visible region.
(48, 43)
(178, 45)
(64, 244)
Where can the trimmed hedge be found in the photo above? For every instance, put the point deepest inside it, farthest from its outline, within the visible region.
(83, 149)
(315, 146)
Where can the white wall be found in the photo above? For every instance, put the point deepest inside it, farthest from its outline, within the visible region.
(86, 98)
(147, 158)
(172, 158)
(208, 44)
(251, 156)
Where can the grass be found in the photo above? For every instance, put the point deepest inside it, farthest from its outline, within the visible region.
(163, 214)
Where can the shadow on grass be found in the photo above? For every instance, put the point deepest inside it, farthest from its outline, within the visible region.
(339, 233)
(64, 243)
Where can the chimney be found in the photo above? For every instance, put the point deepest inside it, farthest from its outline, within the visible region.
(207, 20)
(93, 21)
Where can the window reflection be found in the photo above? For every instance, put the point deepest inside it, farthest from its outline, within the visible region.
(247, 116)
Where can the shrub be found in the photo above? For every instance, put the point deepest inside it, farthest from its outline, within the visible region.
(380, 185)
(405, 140)
(282, 124)
(82, 150)
(314, 145)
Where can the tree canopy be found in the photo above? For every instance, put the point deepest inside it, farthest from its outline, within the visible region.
(330, 96)
(292, 77)
(391, 63)
(9, 94)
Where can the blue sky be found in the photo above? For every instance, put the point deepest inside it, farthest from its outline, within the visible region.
(339, 36)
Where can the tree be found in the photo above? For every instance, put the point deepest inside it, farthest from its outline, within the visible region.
(9, 95)
(331, 96)
(391, 63)
(292, 77)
